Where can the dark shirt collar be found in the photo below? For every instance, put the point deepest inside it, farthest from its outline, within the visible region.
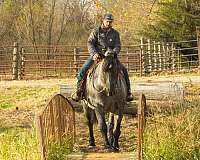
(106, 30)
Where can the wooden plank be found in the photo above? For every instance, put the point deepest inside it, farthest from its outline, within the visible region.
(101, 156)
(141, 124)
(40, 135)
(51, 122)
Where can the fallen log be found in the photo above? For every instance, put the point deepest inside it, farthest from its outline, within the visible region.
(159, 90)
(130, 108)
(153, 90)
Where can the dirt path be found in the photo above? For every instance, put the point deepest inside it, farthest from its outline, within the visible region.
(174, 78)
(127, 140)
(53, 82)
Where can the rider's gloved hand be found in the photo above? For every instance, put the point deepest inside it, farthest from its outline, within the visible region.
(95, 57)
(111, 52)
(115, 54)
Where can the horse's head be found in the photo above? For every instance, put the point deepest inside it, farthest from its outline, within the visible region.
(110, 71)
(109, 63)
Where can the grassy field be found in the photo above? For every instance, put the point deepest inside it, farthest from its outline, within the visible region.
(19, 101)
(172, 131)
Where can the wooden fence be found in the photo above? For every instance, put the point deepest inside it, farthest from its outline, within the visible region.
(55, 124)
(6, 60)
(36, 62)
(141, 113)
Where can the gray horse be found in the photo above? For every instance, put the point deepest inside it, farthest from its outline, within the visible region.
(105, 93)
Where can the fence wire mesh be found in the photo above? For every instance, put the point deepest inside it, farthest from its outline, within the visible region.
(60, 61)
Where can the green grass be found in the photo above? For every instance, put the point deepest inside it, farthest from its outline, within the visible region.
(6, 105)
(58, 151)
(18, 144)
(13, 96)
(18, 105)
(175, 133)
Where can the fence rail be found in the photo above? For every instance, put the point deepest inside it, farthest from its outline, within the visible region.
(36, 62)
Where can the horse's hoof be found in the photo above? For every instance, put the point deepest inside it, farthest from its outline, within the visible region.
(115, 149)
(108, 148)
(91, 147)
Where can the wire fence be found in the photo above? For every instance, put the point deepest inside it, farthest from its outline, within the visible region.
(60, 61)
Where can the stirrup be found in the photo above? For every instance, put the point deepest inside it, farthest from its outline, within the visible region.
(129, 97)
(77, 96)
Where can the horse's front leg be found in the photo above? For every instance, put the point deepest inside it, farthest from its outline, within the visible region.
(103, 127)
(89, 114)
(110, 128)
(117, 131)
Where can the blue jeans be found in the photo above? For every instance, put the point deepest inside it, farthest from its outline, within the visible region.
(87, 65)
(84, 69)
(126, 77)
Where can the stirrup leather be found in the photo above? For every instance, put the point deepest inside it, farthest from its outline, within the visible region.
(77, 96)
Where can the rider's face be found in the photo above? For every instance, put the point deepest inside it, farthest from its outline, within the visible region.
(107, 24)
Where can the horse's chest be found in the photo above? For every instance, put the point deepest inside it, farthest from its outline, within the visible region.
(111, 104)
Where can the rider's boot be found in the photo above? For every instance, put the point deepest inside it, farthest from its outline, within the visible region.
(129, 96)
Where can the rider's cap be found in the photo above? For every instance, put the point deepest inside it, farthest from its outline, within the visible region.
(108, 17)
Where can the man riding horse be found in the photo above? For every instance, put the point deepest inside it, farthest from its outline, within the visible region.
(103, 38)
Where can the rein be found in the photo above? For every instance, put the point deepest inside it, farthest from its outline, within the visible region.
(100, 90)
(104, 88)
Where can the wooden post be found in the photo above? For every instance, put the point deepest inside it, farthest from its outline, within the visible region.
(149, 55)
(141, 124)
(40, 136)
(15, 62)
(127, 58)
(55, 122)
(155, 56)
(164, 56)
(168, 56)
(76, 60)
(173, 57)
(74, 126)
(198, 42)
(142, 62)
(21, 64)
(159, 55)
(179, 60)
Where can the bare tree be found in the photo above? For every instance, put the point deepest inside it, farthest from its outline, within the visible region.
(32, 23)
(51, 21)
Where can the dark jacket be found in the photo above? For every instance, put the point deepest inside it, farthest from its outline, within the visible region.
(101, 40)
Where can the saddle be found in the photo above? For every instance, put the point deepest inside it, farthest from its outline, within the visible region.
(90, 72)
